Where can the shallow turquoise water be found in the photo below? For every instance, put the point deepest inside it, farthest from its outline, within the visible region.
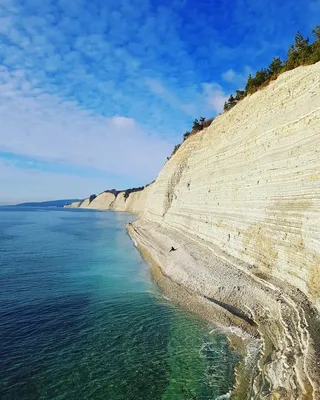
(81, 319)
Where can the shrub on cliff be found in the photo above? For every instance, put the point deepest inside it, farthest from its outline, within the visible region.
(300, 53)
(176, 147)
(315, 53)
(230, 103)
(275, 67)
(197, 126)
(128, 191)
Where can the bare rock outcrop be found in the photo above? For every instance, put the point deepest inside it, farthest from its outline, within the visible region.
(85, 203)
(75, 204)
(136, 202)
(113, 200)
(102, 201)
(120, 203)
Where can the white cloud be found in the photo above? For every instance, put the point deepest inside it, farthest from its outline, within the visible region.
(229, 75)
(44, 126)
(215, 96)
(238, 79)
(20, 185)
(158, 89)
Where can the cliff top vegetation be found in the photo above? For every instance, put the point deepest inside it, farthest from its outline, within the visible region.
(301, 52)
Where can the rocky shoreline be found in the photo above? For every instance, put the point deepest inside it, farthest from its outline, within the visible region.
(220, 289)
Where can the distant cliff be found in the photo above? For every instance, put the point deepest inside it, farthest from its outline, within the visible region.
(50, 203)
(133, 201)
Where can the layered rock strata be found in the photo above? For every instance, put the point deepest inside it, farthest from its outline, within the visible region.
(134, 203)
(241, 203)
(101, 202)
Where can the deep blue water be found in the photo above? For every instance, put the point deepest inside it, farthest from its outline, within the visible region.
(81, 319)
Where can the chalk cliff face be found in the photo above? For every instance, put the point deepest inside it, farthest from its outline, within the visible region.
(135, 203)
(120, 203)
(75, 204)
(85, 203)
(240, 201)
(250, 183)
(101, 202)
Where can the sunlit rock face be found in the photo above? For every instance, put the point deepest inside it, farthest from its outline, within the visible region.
(120, 203)
(102, 201)
(75, 204)
(134, 203)
(250, 183)
(240, 201)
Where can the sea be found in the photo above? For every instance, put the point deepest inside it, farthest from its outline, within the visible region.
(81, 318)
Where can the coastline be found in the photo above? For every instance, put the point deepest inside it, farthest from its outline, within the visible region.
(240, 202)
(268, 314)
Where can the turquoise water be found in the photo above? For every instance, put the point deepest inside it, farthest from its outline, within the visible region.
(81, 319)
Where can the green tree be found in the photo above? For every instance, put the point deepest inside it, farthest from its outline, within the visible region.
(240, 94)
(202, 121)
(275, 67)
(250, 84)
(316, 45)
(232, 101)
(293, 56)
(261, 77)
(316, 32)
(300, 43)
(196, 125)
(300, 53)
(259, 80)
(186, 135)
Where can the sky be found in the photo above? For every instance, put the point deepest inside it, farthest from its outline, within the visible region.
(94, 94)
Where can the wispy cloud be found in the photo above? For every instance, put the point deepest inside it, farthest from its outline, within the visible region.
(159, 90)
(215, 96)
(43, 126)
(237, 79)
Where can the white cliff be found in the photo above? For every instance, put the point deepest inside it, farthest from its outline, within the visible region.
(85, 203)
(240, 201)
(102, 201)
(75, 204)
(134, 203)
(120, 203)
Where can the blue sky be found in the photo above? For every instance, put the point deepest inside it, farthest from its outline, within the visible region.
(94, 94)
